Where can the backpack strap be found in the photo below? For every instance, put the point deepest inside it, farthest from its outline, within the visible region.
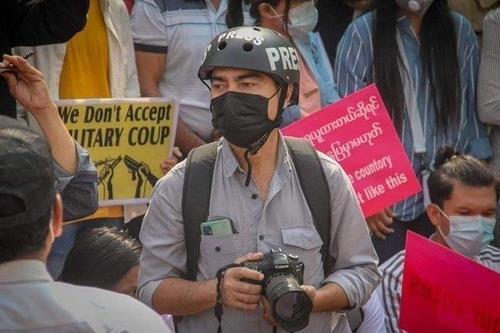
(314, 185)
(196, 190)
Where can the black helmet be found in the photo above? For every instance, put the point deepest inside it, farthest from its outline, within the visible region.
(256, 49)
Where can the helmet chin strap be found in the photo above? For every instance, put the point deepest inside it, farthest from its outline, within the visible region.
(255, 147)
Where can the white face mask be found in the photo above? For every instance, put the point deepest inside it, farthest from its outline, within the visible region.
(468, 235)
(416, 7)
(303, 18)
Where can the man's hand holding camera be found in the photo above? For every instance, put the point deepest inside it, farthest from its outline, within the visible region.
(274, 280)
(238, 294)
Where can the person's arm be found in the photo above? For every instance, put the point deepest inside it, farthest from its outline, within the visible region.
(76, 175)
(354, 58)
(353, 62)
(45, 21)
(489, 77)
(28, 87)
(163, 259)
(354, 275)
(151, 47)
(472, 138)
(78, 191)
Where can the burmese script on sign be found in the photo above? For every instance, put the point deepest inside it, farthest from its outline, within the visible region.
(127, 139)
(358, 133)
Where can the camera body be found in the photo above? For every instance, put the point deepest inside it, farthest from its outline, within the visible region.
(283, 276)
(276, 263)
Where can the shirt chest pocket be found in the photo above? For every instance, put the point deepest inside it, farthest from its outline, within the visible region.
(305, 237)
(216, 252)
(305, 242)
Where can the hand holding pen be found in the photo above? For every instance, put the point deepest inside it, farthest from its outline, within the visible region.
(5, 66)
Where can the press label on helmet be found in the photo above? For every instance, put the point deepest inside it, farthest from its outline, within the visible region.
(248, 35)
(287, 56)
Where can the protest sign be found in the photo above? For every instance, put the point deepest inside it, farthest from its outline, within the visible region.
(358, 133)
(447, 292)
(127, 139)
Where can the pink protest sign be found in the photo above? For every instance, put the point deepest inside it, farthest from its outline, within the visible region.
(358, 133)
(446, 292)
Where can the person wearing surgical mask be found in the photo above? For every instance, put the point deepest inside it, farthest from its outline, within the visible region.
(424, 60)
(295, 19)
(464, 195)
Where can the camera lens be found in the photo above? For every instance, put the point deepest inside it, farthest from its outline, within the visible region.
(290, 304)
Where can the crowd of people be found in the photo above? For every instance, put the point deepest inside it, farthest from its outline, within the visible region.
(236, 193)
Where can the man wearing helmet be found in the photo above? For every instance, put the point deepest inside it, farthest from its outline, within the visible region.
(253, 75)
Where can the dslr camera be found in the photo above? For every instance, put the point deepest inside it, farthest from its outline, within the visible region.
(283, 276)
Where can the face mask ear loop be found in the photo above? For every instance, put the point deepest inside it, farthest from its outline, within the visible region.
(281, 103)
(206, 85)
(439, 226)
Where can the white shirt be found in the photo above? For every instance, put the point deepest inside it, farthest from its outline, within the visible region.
(373, 317)
(32, 302)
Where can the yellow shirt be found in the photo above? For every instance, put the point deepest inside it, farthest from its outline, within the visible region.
(86, 63)
(85, 74)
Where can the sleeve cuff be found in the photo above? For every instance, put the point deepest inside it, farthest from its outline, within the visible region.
(146, 292)
(151, 48)
(83, 164)
(346, 286)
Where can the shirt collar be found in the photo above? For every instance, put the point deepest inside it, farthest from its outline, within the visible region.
(405, 27)
(19, 271)
(231, 165)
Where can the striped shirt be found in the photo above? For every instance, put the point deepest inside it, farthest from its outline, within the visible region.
(182, 30)
(392, 282)
(354, 70)
(488, 96)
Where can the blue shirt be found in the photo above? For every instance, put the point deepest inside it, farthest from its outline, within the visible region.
(313, 52)
(354, 70)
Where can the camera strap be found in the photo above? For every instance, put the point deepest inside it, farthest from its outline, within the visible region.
(218, 310)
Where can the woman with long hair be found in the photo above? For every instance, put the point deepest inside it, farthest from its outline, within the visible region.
(424, 60)
(295, 19)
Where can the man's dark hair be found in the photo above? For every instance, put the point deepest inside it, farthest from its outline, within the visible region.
(100, 258)
(21, 240)
(450, 168)
(438, 54)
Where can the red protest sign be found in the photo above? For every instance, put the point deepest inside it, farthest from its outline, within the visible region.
(358, 133)
(447, 292)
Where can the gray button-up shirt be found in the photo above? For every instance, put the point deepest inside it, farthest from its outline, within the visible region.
(30, 301)
(282, 221)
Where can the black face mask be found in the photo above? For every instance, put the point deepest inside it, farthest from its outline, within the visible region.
(242, 118)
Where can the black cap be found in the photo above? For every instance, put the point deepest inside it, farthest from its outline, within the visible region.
(256, 49)
(26, 172)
